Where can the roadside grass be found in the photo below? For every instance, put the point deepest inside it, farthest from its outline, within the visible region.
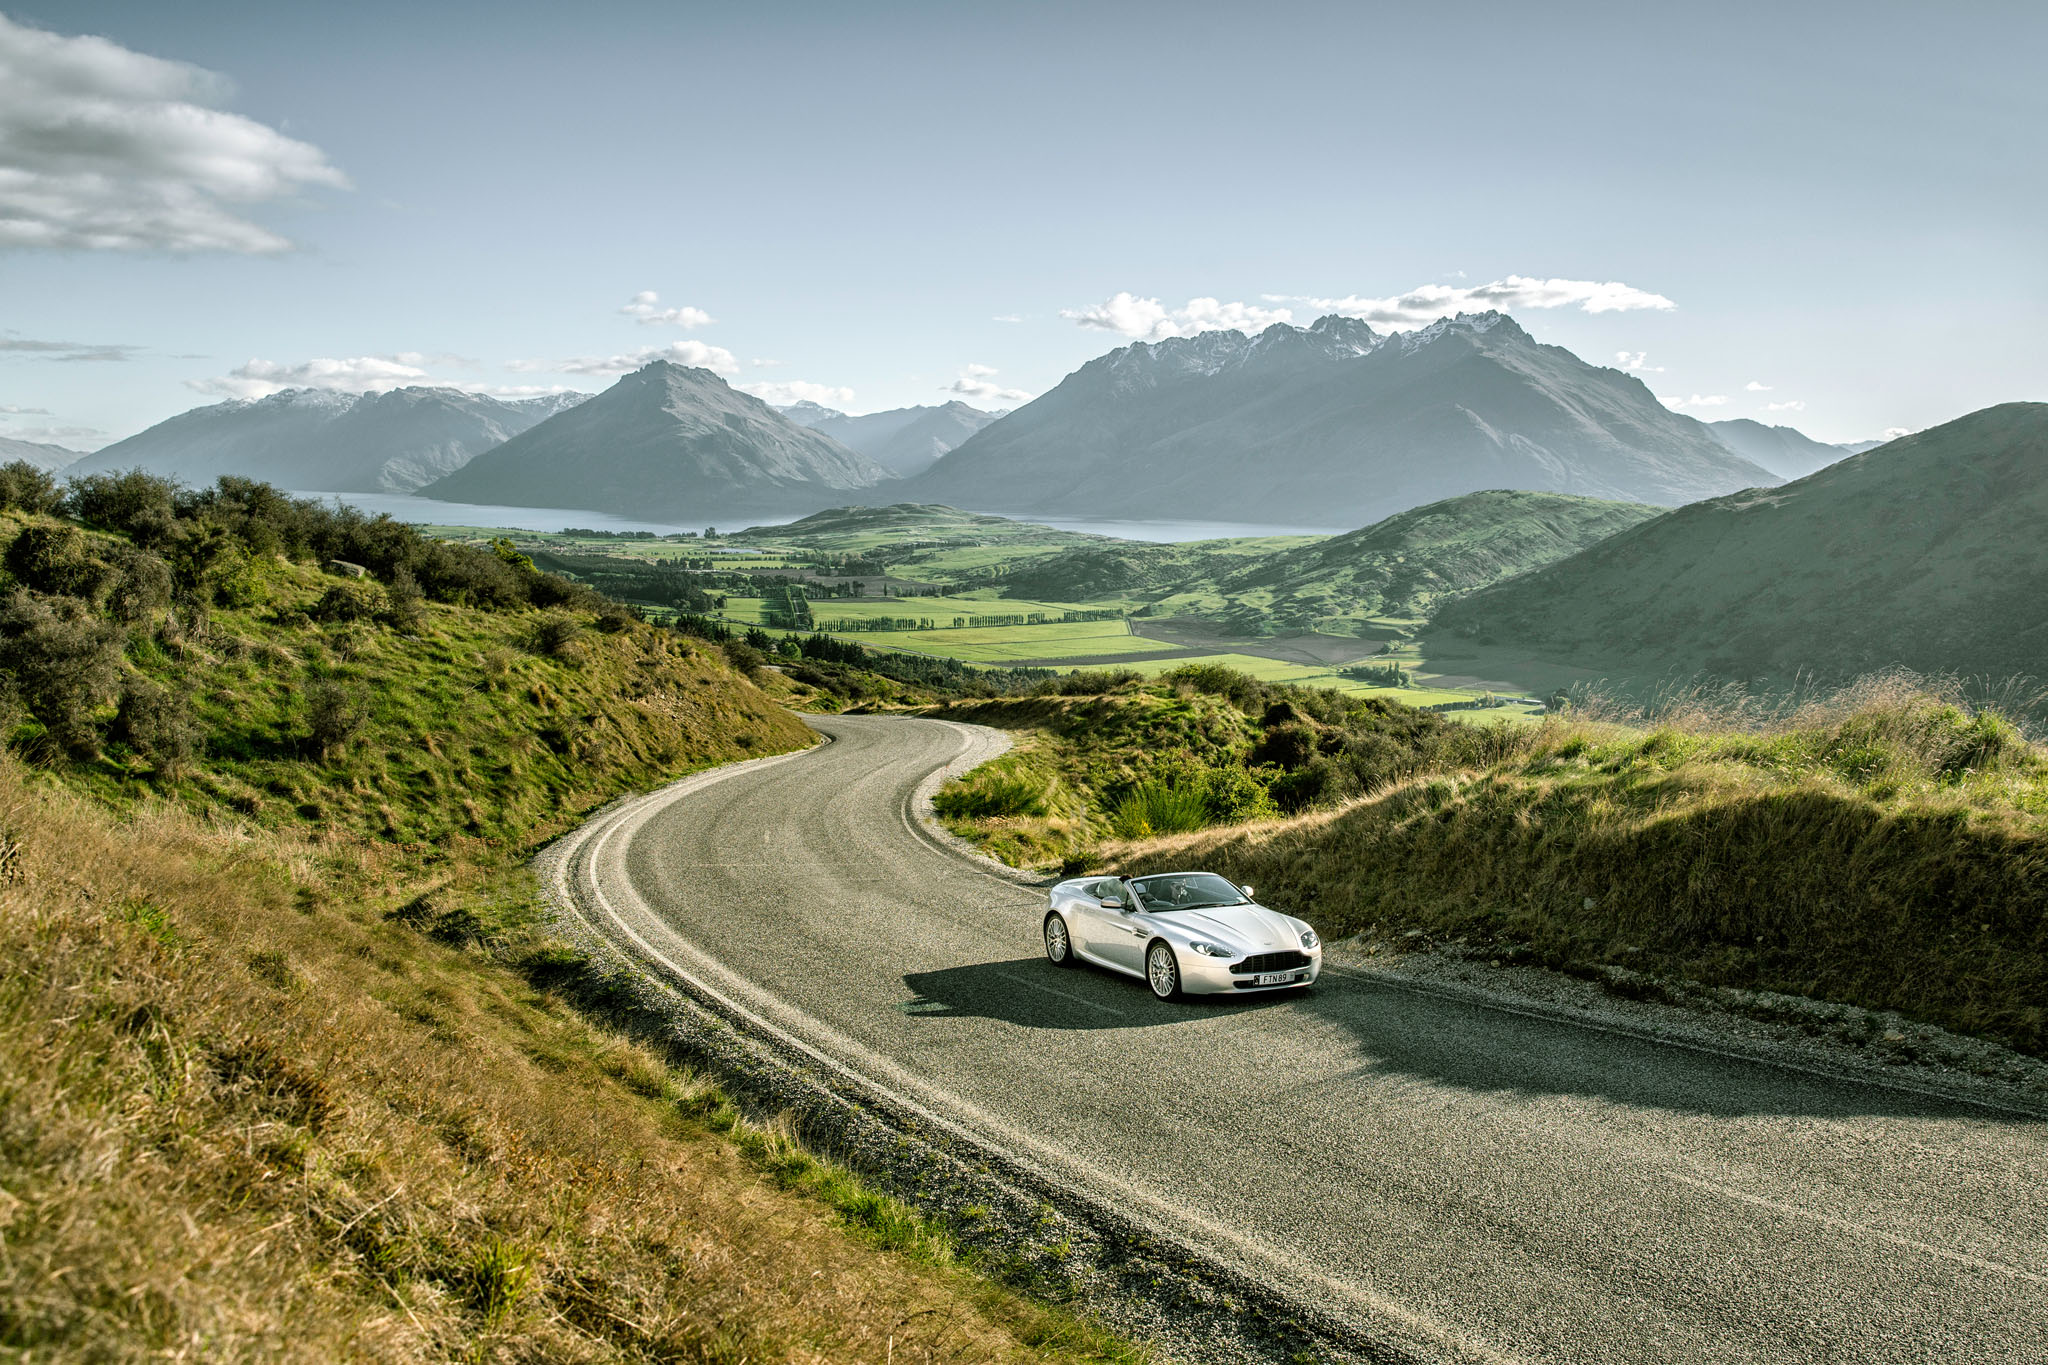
(1885, 847)
(258, 1102)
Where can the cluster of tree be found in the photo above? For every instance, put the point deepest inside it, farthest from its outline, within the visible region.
(1386, 675)
(75, 602)
(625, 535)
(786, 606)
(652, 582)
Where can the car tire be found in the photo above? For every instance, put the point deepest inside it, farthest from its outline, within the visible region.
(1059, 943)
(1162, 970)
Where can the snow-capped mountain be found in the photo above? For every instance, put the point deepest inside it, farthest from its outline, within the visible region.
(1332, 424)
(904, 441)
(667, 442)
(390, 442)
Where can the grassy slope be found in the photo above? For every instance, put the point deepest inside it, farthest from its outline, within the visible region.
(284, 1069)
(1925, 553)
(1405, 565)
(1886, 850)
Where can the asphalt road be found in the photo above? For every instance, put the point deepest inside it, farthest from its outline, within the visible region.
(1493, 1186)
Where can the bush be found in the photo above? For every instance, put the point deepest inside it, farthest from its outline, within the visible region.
(554, 633)
(351, 602)
(156, 723)
(60, 560)
(142, 586)
(24, 488)
(996, 794)
(613, 617)
(405, 609)
(66, 663)
(333, 716)
(743, 656)
(140, 506)
(1233, 795)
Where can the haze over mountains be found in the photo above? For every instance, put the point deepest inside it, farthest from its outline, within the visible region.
(47, 458)
(1333, 424)
(1926, 553)
(392, 442)
(1785, 452)
(666, 442)
(904, 441)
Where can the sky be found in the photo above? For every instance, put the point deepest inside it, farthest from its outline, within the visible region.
(1828, 216)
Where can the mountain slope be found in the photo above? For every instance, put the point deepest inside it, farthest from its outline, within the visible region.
(333, 442)
(1788, 453)
(47, 458)
(904, 441)
(667, 441)
(1333, 424)
(1925, 552)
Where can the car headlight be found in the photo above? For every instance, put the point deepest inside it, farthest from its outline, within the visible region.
(1309, 939)
(1210, 950)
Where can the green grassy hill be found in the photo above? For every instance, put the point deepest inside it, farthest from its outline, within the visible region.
(291, 1067)
(1404, 566)
(1926, 553)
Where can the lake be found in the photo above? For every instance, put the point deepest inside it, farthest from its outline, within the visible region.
(432, 511)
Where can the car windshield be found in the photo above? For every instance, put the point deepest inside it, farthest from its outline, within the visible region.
(1187, 891)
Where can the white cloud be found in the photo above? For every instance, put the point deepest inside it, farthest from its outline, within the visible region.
(1150, 320)
(789, 391)
(1789, 405)
(102, 148)
(65, 350)
(77, 438)
(1753, 387)
(763, 363)
(714, 358)
(356, 374)
(1421, 306)
(646, 309)
(1007, 317)
(1638, 361)
(1710, 400)
(11, 411)
(1894, 433)
(978, 383)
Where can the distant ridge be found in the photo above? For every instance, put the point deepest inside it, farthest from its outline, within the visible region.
(667, 442)
(391, 442)
(47, 458)
(1925, 553)
(1333, 423)
(904, 441)
(1785, 452)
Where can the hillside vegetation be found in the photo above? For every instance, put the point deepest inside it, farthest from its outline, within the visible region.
(289, 1065)
(1883, 846)
(1924, 553)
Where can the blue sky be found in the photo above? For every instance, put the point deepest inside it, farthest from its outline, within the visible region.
(1837, 207)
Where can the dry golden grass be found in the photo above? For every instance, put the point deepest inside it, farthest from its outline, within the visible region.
(245, 1114)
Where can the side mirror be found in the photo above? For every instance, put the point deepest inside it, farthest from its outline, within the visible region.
(1109, 904)
(1248, 893)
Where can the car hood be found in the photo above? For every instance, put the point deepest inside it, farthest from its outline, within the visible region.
(1253, 928)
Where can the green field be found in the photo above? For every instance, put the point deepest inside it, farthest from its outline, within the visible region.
(1015, 644)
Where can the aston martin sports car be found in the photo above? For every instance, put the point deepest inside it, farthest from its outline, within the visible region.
(1190, 933)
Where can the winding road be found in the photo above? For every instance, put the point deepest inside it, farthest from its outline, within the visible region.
(1484, 1184)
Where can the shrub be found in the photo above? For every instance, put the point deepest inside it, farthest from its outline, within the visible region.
(554, 633)
(65, 661)
(142, 586)
(405, 608)
(1315, 783)
(59, 559)
(1233, 795)
(743, 656)
(333, 716)
(613, 617)
(351, 601)
(24, 488)
(996, 794)
(156, 723)
(141, 506)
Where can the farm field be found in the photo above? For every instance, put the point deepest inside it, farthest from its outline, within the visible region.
(1074, 640)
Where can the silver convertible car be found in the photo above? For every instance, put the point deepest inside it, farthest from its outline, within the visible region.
(1180, 932)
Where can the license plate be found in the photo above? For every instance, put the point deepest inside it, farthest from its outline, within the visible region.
(1277, 978)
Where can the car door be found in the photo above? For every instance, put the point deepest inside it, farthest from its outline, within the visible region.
(1123, 933)
(1098, 932)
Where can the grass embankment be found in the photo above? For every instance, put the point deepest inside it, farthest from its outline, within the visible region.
(288, 1067)
(1885, 848)
(1111, 754)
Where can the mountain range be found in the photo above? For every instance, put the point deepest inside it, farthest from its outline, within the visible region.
(1925, 552)
(47, 458)
(667, 442)
(904, 441)
(1785, 452)
(1333, 424)
(391, 442)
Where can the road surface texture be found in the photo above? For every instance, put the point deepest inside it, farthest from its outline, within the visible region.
(1473, 1182)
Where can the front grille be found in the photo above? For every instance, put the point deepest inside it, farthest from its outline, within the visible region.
(1271, 962)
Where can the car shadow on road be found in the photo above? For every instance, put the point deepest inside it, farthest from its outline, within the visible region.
(1032, 993)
